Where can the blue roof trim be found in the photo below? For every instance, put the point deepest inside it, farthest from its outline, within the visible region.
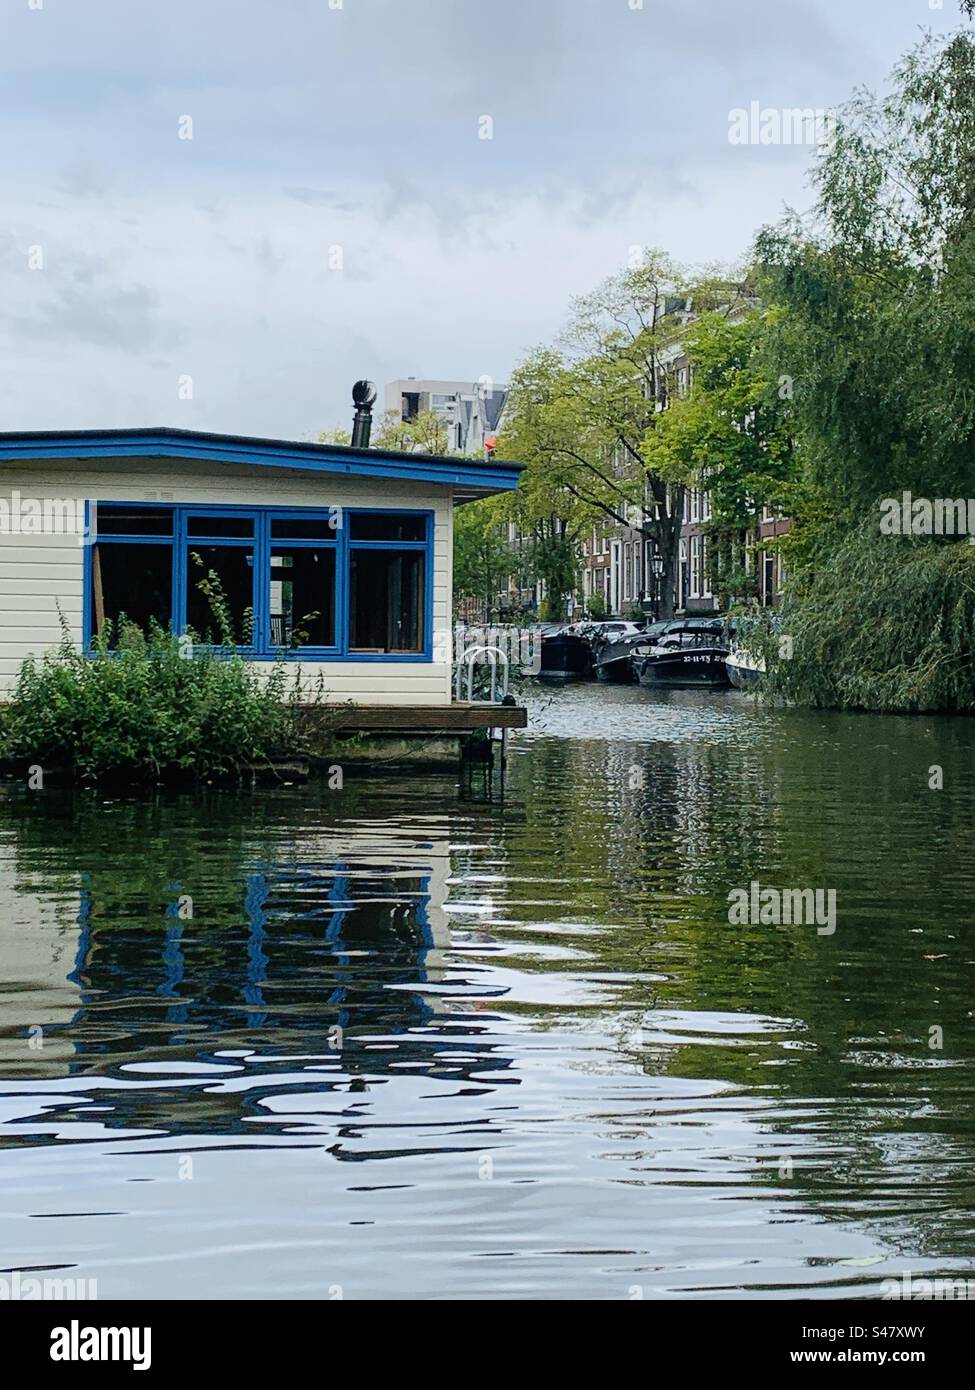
(496, 476)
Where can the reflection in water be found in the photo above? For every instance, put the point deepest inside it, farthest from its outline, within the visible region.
(397, 1043)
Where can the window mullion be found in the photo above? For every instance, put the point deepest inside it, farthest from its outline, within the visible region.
(262, 581)
(180, 561)
(344, 588)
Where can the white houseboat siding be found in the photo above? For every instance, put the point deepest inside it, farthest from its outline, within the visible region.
(42, 575)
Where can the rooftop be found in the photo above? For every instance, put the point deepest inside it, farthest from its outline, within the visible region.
(470, 478)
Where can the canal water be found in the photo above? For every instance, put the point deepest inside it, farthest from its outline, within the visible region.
(387, 1041)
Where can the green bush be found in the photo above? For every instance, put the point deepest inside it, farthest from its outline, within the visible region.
(139, 707)
(882, 623)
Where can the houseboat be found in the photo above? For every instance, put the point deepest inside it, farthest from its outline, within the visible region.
(335, 558)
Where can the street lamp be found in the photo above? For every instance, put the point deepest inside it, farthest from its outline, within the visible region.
(657, 565)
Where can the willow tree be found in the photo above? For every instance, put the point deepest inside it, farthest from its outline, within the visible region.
(878, 287)
(580, 413)
(877, 290)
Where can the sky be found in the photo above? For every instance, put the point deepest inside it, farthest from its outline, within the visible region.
(218, 214)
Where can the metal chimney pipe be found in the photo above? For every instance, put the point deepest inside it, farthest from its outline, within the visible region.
(363, 398)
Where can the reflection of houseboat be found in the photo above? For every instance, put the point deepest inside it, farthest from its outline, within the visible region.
(39, 995)
(347, 930)
(691, 653)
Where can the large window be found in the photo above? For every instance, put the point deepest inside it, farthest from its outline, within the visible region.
(349, 586)
(386, 601)
(134, 587)
(219, 587)
(131, 579)
(303, 579)
(302, 596)
(387, 526)
(387, 584)
(219, 577)
(695, 590)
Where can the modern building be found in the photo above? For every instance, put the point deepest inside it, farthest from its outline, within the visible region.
(338, 558)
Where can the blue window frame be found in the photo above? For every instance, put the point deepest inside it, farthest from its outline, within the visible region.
(223, 542)
(311, 584)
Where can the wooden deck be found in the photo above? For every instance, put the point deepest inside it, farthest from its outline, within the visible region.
(458, 718)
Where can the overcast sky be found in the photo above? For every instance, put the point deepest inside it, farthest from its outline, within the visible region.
(133, 260)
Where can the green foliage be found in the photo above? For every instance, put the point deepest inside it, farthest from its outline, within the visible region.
(583, 414)
(425, 433)
(878, 332)
(597, 606)
(551, 557)
(888, 624)
(139, 708)
(483, 557)
(730, 432)
(335, 436)
(873, 327)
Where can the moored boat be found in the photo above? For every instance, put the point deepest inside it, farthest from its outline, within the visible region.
(690, 654)
(565, 655)
(745, 670)
(611, 648)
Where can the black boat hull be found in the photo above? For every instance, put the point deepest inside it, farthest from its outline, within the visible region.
(611, 660)
(683, 669)
(565, 659)
(618, 671)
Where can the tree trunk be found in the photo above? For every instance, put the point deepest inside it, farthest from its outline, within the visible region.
(668, 529)
(665, 601)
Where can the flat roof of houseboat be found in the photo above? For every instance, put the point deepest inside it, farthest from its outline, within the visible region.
(469, 477)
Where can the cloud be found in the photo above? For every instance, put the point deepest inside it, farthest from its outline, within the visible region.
(321, 198)
(124, 318)
(317, 127)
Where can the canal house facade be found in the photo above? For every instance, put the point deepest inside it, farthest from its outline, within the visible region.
(337, 558)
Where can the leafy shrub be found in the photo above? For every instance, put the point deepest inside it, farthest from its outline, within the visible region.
(139, 707)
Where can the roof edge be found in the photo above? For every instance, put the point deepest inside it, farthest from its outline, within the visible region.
(493, 475)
